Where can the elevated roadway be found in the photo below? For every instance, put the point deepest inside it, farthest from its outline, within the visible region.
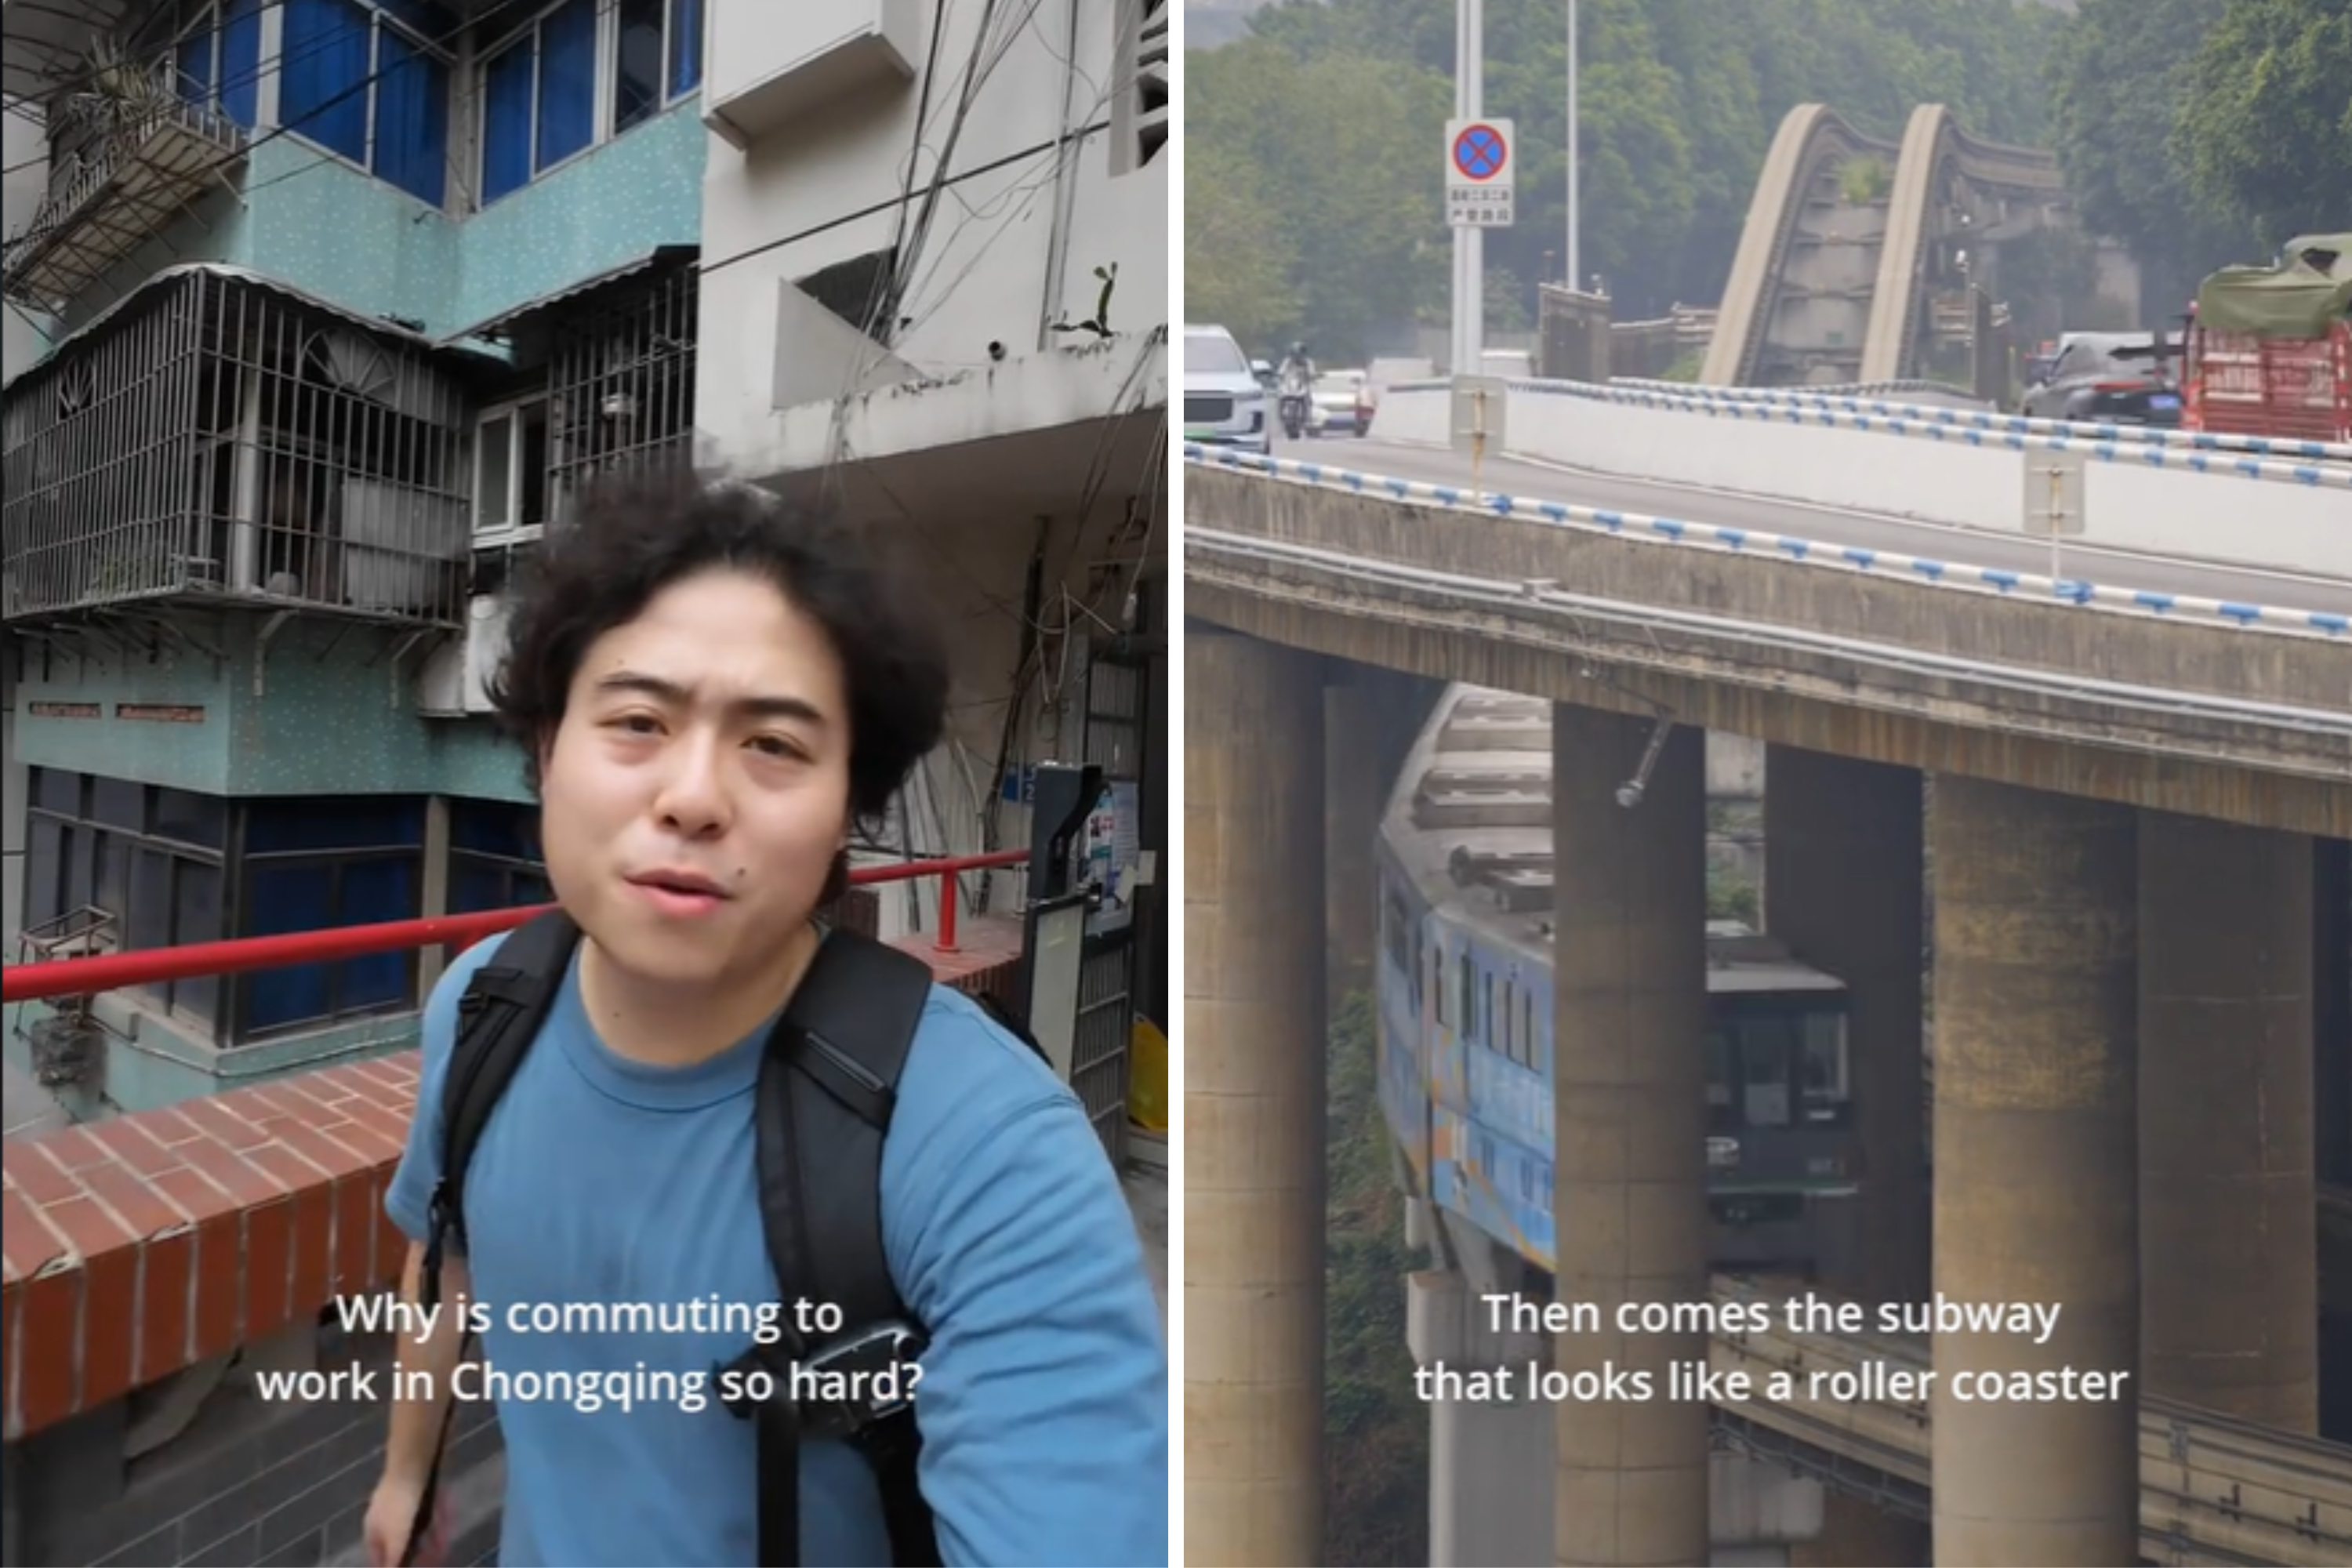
(2125, 569)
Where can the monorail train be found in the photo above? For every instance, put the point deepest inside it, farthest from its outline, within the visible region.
(1464, 1007)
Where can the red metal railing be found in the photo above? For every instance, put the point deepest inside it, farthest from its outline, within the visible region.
(108, 972)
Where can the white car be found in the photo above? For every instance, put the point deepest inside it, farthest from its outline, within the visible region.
(1224, 402)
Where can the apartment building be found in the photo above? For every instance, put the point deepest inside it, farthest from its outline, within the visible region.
(935, 278)
(335, 305)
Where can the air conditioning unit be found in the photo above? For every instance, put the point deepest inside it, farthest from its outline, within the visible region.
(453, 682)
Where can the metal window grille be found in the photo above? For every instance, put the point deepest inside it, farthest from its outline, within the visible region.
(224, 442)
(1139, 109)
(620, 387)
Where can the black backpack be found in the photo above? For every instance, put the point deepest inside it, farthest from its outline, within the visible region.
(846, 1034)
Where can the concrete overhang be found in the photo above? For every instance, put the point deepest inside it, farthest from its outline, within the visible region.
(2213, 721)
(1029, 434)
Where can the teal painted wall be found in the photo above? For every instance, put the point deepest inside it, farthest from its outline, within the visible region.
(183, 756)
(640, 190)
(161, 1065)
(310, 219)
(328, 720)
(323, 226)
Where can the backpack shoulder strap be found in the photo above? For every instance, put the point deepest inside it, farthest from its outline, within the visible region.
(828, 1087)
(498, 1017)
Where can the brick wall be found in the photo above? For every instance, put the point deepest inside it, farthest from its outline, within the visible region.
(153, 1263)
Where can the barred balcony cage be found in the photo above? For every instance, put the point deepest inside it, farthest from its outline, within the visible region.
(619, 386)
(223, 439)
(126, 157)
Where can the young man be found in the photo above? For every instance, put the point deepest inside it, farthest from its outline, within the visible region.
(711, 691)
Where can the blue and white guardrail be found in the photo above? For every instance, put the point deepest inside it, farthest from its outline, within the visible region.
(1953, 426)
(1757, 542)
(1874, 401)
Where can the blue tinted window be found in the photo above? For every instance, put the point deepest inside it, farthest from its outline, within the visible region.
(240, 72)
(320, 894)
(506, 123)
(685, 45)
(567, 81)
(195, 63)
(638, 72)
(280, 899)
(374, 892)
(412, 120)
(495, 827)
(278, 826)
(323, 74)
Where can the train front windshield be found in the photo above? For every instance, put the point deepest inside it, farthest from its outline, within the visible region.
(1777, 1062)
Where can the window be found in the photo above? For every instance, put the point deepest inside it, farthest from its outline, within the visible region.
(1722, 1116)
(494, 856)
(510, 471)
(216, 62)
(371, 85)
(314, 864)
(1764, 1061)
(568, 81)
(1824, 1071)
(149, 859)
(1140, 107)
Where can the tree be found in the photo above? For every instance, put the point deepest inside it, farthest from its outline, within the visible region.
(2117, 79)
(1240, 260)
(2265, 134)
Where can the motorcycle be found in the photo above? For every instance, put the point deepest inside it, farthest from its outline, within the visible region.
(1295, 407)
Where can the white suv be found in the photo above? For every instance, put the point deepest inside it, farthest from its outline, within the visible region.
(1224, 402)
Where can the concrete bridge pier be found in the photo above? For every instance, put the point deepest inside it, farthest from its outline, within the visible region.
(1629, 1012)
(1356, 788)
(2331, 1028)
(2037, 1174)
(1490, 1463)
(1843, 872)
(1254, 1054)
(2229, 1272)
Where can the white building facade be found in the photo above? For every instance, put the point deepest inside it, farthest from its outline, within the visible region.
(934, 281)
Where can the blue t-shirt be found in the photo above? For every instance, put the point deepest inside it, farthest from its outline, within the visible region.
(1043, 1396)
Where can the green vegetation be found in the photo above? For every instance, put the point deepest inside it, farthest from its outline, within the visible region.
(2196, 132)
(2205, 131)
(1865, 181)
(1315, 143)
(1376, 1434)
(1732, 897)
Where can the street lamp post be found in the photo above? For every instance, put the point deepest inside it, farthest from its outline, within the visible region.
(1469, 241)
(1575, 258)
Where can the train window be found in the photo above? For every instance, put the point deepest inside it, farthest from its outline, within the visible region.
(1412, 972)
(1512, 1042)
(1722, 1118)
(1469, 997)
(1494, 1032)
(1764, 1053)
(1826, 1087)
(1527, 1027)
(1437, 982)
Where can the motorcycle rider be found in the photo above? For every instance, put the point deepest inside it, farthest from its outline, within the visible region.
(1296, 383)
(1297, 372)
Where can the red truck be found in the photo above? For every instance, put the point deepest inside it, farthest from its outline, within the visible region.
(2270, 348)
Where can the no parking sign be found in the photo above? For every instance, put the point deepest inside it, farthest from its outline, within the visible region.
(1478, 174)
